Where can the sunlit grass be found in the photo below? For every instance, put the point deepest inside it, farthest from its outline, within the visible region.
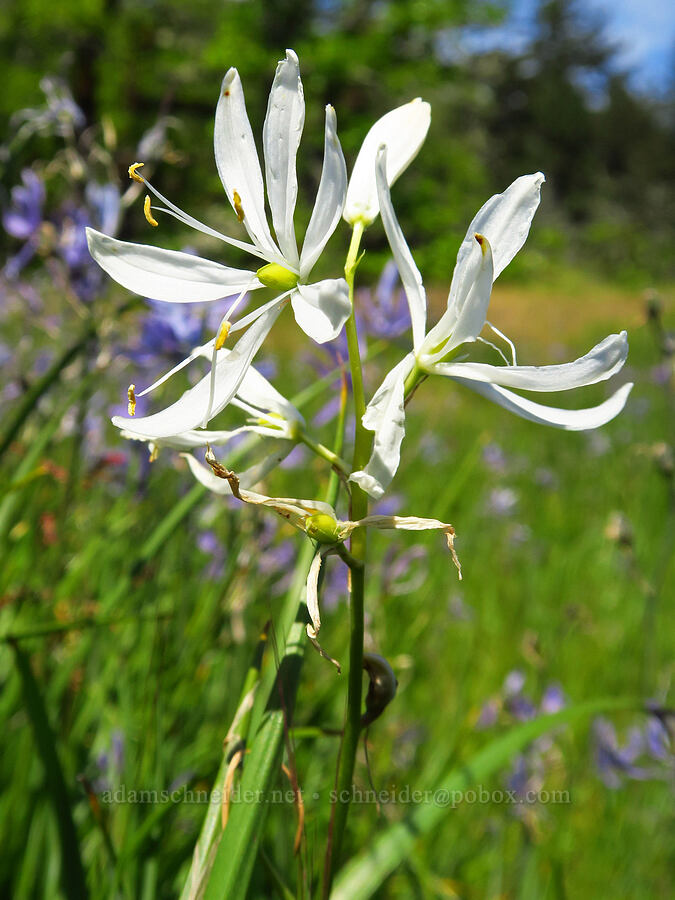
(545, 590)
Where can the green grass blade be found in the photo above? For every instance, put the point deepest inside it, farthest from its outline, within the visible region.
(32, 457)
(365, 873)
(72, 871)
(239, 844)
(30, 398)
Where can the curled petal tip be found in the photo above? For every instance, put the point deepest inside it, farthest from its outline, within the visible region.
(230, 76)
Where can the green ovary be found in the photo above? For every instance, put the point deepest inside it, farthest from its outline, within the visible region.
(275, 276)
(322, 528)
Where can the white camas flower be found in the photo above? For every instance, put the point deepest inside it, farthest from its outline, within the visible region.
(320, 308)
(270, 413)
(403, 131)
(315, 518)
(494, 237)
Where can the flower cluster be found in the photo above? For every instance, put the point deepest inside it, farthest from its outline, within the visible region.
(322, 308)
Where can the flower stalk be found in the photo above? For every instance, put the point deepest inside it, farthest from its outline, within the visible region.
(358, 548)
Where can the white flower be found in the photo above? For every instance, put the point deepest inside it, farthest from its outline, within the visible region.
(403, 130)
(494, 237)
(236, 383)
(320, 308)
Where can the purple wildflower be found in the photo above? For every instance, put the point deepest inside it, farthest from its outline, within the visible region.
(386, 313)
(494, 458)
(24, 217)
(502, 502)
(210, 544)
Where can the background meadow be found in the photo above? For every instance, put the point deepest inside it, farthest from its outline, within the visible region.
(131, 601)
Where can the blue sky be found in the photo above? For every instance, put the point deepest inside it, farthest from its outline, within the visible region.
(644, 31)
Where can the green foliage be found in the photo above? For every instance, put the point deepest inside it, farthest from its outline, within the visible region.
(608, 156)
(133, 639)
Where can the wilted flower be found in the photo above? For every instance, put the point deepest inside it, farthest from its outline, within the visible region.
(317, 519)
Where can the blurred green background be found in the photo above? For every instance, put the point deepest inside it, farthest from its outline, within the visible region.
(130, 603)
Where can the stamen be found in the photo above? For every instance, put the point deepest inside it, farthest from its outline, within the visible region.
(181, 365)
(217, 344)
(133, 170)
(148, 214)
(494, 347)
(252, 316)
(505, 339)
(223, 332)
(131, 397)
(238, 208)
(154, 452)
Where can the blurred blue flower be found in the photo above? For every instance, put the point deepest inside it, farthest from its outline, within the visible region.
(24, 217)
(385, 310)
(493, 457)
(502, 502)
(60, 114)
(552, 700)
(210, 544)
(634, 758)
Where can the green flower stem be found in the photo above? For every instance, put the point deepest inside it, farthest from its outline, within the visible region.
(324, 453)
(269, 723)
(358, 546)
(334, 480)
(411, 381)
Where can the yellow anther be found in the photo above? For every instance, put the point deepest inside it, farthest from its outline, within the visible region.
(131, 396)
(238, 208)
(148, 213)
(482, 243)
(223, 332)
(132, 172)
(275, 276)
(154, 452)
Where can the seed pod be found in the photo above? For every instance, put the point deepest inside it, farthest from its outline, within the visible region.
(382, 688)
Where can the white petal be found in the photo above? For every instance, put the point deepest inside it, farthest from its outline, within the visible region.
(330, 197)
(281, 138)
(568, 419)
(600, 363)
(403, 130)
(189, 440)
(312, 598)
(405, 523)
(247, 479)
(408, 271)
(257, 391)
(385, 415)
(205, 351)
(505, 220)
(238, 163)
(321, 309)
(188, 412)
(465, 317)
(165, 274)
